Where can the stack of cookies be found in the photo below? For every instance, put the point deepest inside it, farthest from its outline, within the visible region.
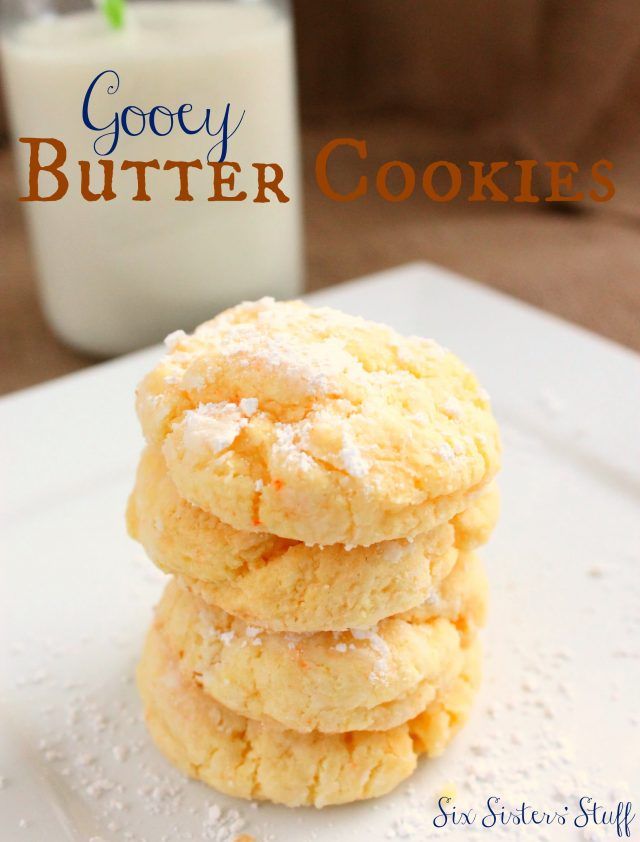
(316, 484)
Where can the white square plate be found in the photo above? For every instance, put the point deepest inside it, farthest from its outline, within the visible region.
(558, 714)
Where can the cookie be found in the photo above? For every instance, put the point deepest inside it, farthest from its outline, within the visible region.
(328, 681)
(249, 759)
(318, 426)
(461, 598)
(474, 525)
(281, 584)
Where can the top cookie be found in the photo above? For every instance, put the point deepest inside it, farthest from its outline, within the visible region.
(318, 426)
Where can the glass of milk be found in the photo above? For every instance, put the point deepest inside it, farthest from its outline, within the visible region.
(117, 275)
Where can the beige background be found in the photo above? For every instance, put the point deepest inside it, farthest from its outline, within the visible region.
(423, 80)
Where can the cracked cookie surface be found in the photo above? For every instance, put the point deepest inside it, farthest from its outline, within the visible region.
(285, 585)
(249, 759)
(318, 426)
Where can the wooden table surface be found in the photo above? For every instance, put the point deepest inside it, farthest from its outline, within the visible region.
(584, 267)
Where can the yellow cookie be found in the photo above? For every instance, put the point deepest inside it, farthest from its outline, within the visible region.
(355, 680)
(281, 584)
(461, 598)
(249, 759)
(475, 524)
(318, 426)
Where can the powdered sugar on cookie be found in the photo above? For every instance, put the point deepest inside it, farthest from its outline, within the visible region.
(212, 426)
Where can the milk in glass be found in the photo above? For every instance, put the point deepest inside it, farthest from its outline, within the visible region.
(118, 275)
